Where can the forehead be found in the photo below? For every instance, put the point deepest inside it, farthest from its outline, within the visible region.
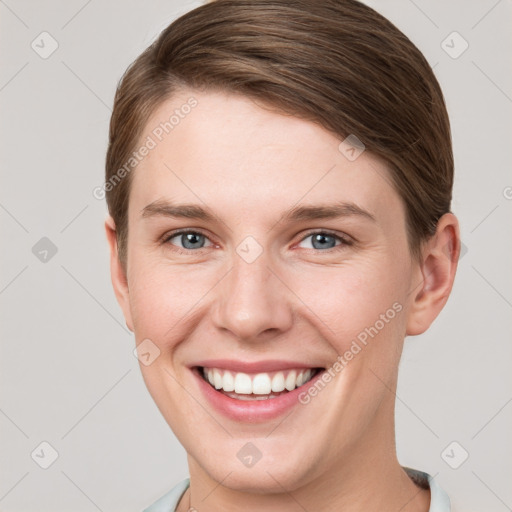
(223, 148)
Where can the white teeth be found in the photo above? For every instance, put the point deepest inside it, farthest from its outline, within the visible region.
(278, 382)
(217, 379)
(259, 384)
(243, 384)
(228, 382)
(291, 381)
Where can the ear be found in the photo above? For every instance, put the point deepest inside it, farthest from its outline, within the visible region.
(435, 275)
(117, 274)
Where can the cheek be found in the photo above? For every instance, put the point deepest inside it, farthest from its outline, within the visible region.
(362, 301)
(164, 297)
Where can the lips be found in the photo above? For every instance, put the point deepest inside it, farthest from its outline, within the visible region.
(254, 391)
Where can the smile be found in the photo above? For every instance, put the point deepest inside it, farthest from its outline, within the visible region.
(257, 386)
(253, 391)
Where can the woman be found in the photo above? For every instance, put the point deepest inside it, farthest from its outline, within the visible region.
(279, 180)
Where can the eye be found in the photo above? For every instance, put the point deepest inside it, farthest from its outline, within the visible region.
(325, 240)
(190, 240)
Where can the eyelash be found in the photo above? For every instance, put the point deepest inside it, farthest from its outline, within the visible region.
(345, 240)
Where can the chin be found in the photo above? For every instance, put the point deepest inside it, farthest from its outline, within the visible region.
(269, 475)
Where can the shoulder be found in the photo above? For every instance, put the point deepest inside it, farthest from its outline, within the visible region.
(169, 501)
(439, 500)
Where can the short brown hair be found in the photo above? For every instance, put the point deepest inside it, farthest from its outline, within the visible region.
(334, 62)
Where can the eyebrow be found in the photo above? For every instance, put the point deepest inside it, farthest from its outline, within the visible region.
(298, 213)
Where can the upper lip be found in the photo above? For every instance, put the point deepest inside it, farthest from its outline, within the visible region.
(270, 365)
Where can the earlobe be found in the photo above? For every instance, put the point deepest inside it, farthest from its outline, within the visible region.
(117, 274)
(436, 275)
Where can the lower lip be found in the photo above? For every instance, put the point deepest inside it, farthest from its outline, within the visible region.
(252, 411)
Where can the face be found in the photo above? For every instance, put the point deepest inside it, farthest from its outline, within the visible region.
(260, 256)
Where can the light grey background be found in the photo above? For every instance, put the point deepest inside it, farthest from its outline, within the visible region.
(67, 372)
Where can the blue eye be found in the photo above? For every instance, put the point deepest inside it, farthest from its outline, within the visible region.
(324, 240)
(190, 240)
(193, 240)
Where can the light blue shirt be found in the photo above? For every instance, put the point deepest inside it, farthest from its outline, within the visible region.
(439, 500)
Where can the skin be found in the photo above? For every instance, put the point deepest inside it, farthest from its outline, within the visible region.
(249, 164)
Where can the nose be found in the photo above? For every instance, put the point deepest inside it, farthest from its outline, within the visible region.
(253, 302)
